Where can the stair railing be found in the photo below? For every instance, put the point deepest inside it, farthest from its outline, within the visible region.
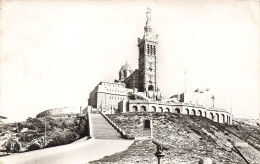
(90, 128)
(122, 132)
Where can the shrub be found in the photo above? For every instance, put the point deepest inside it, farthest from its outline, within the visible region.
(128, 136)
(76, 122)
(64, 124)
(137, 121)
(52, 124)
(34, 146)
(34, 123)
(29, 119)
(118, 121)
(65, 137)
(157, 114)
(12, 146)
(226, 133)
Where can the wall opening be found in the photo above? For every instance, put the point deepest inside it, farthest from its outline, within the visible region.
(200, 113)
(193, 112)
(153, 109)
(147, 124)
(143, 109)
(223, 118)
(177, 110)
(134, 108)
(187, 111)
(150, 88)
(211, 116)
(167, 110)
(227, 120)
(217, 117)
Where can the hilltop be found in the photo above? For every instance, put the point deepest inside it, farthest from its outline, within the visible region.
(190, 138)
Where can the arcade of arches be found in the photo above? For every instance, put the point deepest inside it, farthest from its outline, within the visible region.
(217, 116)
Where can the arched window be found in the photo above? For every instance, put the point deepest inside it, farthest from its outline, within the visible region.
(193, 112)
(153, 109)
(135, 108)
(223, 118)
(200, 112)
(227, 120)
(217, 115)
(143, 109)
(150, 88)
(160, 109)
(187, 111)
(211, 116)
(177, 110)
(167, 110)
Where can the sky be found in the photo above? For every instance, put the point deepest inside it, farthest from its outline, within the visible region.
(53, 53)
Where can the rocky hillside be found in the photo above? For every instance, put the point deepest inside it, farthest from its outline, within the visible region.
(29, 135)
(190, 139)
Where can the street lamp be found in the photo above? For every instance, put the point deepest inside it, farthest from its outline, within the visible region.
(213, 98)
(44, 138)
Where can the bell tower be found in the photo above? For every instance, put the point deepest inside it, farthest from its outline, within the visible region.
(147, 57)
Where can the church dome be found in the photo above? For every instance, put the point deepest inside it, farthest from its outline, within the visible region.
(126, 67)
(125, 71)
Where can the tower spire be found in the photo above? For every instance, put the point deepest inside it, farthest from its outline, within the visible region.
(148, 28)
(148, 16)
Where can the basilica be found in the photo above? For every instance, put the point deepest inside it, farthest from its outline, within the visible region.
(136, 90)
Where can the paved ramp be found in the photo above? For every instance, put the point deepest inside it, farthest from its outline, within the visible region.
(101, 129)
(75, 153)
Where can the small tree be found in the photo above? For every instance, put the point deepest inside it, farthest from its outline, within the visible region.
(19, 127)
(29, 119)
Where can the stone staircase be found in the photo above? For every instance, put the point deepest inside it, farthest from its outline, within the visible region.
(101, 129)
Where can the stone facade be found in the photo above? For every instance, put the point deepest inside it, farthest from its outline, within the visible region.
(107, 95)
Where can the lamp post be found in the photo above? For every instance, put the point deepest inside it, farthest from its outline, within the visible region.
(213, 98)
(44, 138)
